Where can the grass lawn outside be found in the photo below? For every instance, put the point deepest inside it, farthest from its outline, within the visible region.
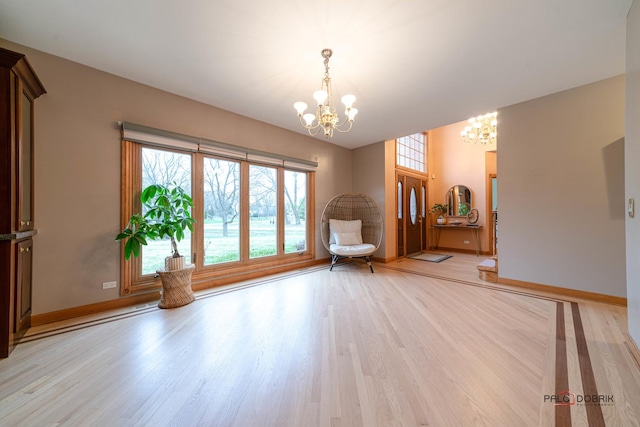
(220, 249)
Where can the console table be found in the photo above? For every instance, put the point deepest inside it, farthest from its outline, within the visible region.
(474, 229)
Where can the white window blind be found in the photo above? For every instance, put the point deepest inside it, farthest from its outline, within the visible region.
(163, 138)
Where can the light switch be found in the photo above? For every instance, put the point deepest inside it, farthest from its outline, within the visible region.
(631, 209)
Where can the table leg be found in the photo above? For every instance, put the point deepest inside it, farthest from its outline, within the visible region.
(476, 235)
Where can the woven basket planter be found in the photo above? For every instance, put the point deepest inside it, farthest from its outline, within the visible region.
(176, 287)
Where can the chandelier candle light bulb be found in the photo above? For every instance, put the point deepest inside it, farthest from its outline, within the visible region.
(481, 129)
(326, 117)
(320, 96)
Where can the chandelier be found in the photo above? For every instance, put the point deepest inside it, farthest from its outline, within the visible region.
(481, 129)
(326, 117)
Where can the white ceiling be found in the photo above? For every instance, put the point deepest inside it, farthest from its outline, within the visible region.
(413, 64)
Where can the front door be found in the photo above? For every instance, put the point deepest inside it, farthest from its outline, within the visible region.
(413, 215)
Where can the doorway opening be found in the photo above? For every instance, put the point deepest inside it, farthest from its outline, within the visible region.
(493, 212)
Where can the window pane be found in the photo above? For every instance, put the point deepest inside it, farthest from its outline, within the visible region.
(221, 211)
(295, 204)
(411, 152)
(263, 210)
(166, 168)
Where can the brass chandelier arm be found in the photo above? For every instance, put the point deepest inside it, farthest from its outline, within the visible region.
(327, 126)
(342, 124)
(310, 128)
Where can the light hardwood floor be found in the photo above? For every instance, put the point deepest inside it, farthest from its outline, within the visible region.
(414, 344)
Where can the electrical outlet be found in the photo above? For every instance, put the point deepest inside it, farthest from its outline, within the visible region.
(109, 285)
(466, 242)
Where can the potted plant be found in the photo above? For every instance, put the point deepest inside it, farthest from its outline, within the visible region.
(166, 214)
(441, 210)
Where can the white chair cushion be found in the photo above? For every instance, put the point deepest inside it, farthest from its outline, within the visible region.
(353, 250)
(348, 238)
(341, 226)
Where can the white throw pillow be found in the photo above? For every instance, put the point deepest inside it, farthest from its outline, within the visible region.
(349, 238)
(341, 226)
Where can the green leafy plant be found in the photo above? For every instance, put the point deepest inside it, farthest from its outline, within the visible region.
(167, 215)
(439, 209)
(464, 209)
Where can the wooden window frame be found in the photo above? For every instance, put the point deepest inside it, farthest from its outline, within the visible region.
(206, 276)
(425, 136)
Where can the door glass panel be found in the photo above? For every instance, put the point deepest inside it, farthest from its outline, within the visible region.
(263, 211)
(221, 211)
(25, 196)
(295, 203)
(424, 202)
(165, 168)
(413, 206)
(399, 200)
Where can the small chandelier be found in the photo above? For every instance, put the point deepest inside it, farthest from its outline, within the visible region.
(326, 117)
(481, 129)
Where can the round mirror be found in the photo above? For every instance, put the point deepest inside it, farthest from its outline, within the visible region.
(459, 201)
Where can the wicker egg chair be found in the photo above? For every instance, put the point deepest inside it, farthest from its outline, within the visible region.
(345, 210)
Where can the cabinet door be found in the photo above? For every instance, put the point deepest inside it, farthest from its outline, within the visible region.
(24, 258)
(25, 164)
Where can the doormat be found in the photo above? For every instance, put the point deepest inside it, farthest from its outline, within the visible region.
(430, 256)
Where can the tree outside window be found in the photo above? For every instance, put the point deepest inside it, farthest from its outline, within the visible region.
(221, 211)
(166, 168)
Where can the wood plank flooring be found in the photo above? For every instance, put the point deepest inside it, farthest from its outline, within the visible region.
(414, 344)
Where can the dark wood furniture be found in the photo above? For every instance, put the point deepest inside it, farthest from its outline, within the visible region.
(474, 229)
(19, 87)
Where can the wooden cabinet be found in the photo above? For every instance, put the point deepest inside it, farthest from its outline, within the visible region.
(19, 87)
(24, 256)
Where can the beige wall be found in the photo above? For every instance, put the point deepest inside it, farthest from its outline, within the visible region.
(77, 169)
(632, 171)
(391, 208)
(454, 162)
(369, 178)
(561, 189)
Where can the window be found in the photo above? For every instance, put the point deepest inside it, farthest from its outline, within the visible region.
(295, 220)
(165, 168)
(413, 206)
(248, 212)
(400, 193)
(263, 211)
(221, 211)
(411, 152)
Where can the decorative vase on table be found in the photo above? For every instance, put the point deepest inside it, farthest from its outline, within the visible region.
(441, 220)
